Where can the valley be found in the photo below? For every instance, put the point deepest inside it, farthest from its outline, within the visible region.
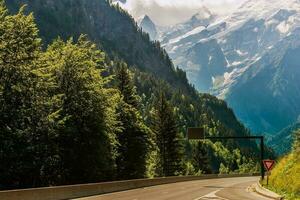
(249, 58)
(97, 101)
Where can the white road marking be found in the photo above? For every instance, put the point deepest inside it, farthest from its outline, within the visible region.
(211, 195)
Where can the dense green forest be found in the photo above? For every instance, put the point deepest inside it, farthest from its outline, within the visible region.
(107, 105)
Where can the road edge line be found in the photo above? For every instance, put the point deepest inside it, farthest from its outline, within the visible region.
(259, 189)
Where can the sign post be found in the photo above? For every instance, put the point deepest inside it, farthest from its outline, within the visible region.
(269, 164)
(199, 134)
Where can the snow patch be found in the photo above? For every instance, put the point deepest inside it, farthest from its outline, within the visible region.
(283, 27)
(229, 78)
(257, 58)
(192, 32)
(271, 22)
(235, 63)
(241, 53)
(174, 49)
(213, 79)
(228, 65)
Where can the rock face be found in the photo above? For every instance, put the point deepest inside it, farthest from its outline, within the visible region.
(251, 58)
(198, 22)
(148, 26)
(203, 62)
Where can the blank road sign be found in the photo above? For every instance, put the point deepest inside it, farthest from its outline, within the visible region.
(195, 134)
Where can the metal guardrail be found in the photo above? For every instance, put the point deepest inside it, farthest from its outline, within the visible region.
(85, 190)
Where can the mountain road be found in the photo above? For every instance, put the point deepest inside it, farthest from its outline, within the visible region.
(213, 189)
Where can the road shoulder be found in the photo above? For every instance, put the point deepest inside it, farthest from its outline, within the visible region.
(241, 191)
(258, 188)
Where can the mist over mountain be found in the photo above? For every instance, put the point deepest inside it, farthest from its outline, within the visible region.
(171, 12)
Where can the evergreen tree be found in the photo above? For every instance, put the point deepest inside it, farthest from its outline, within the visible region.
(168, 140)
(83, 111)
(200, 158)
(126, 86)
(134, 139)
(23, 129)
(296, 146)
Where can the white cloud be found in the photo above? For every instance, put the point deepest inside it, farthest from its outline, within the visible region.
(166, 12)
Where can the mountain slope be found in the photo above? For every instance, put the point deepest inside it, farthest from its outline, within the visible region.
(176, 32)
(116, 32)
(248, 58)
(108, 26)
(282, 141)
(148, 26)
(111, 28)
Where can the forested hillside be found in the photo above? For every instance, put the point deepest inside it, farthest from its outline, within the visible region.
(109, 27)
(282, 141)
(73, 111)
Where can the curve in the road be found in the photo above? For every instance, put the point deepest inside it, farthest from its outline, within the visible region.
(217, 189)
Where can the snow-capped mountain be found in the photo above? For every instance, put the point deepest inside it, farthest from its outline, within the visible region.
(251, 58)
(119, 1)
(148, 26)
(197, 22)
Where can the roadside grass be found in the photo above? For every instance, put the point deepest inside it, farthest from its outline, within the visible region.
(285, 177)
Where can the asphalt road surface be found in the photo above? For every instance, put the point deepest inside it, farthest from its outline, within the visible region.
(212, 189)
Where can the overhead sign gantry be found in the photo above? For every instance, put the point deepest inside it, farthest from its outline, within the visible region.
(199, 134)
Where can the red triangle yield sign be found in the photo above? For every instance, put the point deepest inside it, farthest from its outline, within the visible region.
(269, 164)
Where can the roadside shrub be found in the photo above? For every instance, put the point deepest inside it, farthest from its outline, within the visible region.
(285, 177)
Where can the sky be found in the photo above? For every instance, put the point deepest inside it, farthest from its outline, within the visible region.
(169, 12)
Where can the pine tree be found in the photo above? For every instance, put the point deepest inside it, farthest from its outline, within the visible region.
(134, 138)
(168, 140)
(83, 111)
(126, 86)
(296, 146)
(200, 158)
